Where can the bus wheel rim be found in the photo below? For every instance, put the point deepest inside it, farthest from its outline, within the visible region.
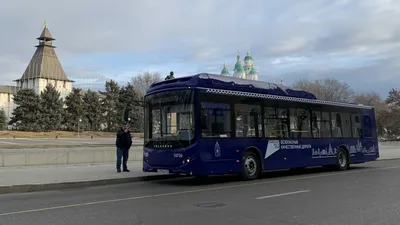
(250, 166)
(342, 159)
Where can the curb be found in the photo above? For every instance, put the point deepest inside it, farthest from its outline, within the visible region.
(25, 188)
(388, 159)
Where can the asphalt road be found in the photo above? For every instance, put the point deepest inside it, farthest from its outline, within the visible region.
(366, 194)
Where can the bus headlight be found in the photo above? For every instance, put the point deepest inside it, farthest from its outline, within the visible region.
(186, 161)
(145, 156)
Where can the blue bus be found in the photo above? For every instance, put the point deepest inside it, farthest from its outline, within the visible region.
(209, 124)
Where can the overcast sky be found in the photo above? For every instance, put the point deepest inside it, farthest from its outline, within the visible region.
(354, 41)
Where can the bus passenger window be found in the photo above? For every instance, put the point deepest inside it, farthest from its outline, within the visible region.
(275, 122)
(341, 126)
(300, 123)
(248, 120)
(325, 125)
(336, 125)
(316, 124)
(321, 125)
(346, 125)
(215, 120)
(356, 126)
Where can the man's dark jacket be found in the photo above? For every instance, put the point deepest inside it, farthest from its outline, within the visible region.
(124, 139)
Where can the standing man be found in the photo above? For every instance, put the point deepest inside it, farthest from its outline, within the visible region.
(123, 143)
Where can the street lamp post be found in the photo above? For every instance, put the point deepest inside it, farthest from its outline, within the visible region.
(128, 123)
(79, 123)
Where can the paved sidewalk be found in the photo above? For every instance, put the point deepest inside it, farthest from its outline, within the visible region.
(40, 178)
(389, 150)
(67, 173)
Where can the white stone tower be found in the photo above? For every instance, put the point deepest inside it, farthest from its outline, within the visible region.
(45, 68)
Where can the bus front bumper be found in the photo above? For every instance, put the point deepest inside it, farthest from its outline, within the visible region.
(187, 168)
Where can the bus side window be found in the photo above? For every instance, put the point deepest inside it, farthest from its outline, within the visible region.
(325, 125)
(356, 126)
(346, 125)
(316, 124)
(336, 125)
(215, 120)
(341, 126)
(248, 120)
(300, 123)
(275, 122)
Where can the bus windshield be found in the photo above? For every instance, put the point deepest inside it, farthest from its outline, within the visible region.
(169, 118)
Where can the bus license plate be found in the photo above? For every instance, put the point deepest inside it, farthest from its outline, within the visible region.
(163, 171)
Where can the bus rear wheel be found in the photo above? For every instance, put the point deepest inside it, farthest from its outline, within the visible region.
(342, 160)
(251, 166)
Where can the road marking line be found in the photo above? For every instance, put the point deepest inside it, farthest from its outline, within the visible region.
(6, 142)
(283, 194)
(194, 191)
(35, 139)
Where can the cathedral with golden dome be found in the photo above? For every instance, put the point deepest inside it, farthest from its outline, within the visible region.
(244, 70)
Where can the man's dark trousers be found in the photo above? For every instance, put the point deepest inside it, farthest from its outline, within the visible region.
(122, 153)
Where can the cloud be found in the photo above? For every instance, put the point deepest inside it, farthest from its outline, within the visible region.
(347, 39)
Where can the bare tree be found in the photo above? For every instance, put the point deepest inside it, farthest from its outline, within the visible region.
(371, 99)
(327, 89)
(139, 85)
(383, 116)
(142, 82)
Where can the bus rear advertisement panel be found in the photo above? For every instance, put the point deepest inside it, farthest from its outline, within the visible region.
(205, 131)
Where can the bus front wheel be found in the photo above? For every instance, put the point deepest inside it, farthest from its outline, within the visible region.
(342, 161)
(251, 166)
